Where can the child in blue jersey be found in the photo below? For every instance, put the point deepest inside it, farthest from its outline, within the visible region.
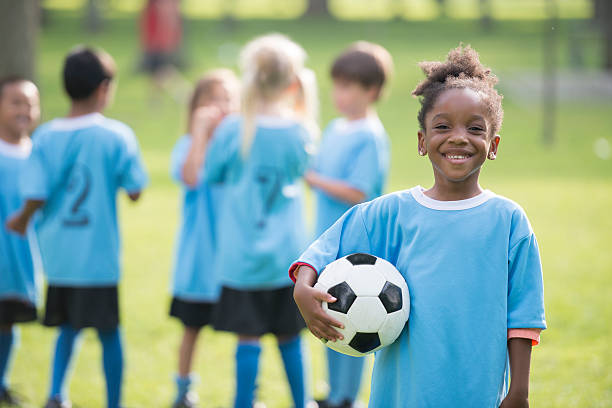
(19, 114)
(260, 156)
(469, 256)
(195, 285)
(351, 167)
(78, 164)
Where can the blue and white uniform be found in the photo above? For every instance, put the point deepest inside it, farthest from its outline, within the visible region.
(262, 220)
(77, 166)
(17, 277)
(195, 278)
(357, 153)
(473, 269)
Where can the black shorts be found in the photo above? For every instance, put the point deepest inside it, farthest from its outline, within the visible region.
(82, 307)
(257, 312)
(192, 313)
(153, 62)
(16, 311)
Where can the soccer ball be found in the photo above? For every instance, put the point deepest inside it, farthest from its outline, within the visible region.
(372, 302)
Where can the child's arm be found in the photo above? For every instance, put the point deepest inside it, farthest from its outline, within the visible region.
(205, 120)
(19, 222)
(519, 351)
(335, 188)
(308, 300)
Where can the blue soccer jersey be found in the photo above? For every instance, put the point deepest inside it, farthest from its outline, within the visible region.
(195, 278)
(357, 153)
(261, 224)
(77, 166)
(473, 270)
(17, 278)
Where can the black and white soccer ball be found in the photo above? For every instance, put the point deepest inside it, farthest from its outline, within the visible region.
(373, 302)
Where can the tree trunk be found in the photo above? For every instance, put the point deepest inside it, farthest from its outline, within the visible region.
(605, 22)
(486, 17)
(317, 8)
(93, 16)
(18, 31)
(549, 74)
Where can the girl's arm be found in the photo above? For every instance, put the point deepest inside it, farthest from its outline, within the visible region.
(205, 120)
(335, 188)
(519, 351)
(308, 300)
(19, 222)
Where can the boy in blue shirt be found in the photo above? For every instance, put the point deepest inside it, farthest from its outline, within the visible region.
(19, 114)
(351, 167)
(76, 168)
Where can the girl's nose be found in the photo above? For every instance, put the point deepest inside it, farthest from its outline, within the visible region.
(458, 136)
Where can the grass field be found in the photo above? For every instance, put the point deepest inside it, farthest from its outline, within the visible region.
(564, 187)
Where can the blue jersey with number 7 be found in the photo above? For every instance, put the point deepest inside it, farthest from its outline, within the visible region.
(77, 166)
(261, 222)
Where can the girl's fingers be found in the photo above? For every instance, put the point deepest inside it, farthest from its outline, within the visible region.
(323, 296)
(329, 321)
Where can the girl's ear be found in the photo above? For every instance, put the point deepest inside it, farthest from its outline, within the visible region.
(421, 143)
(493, 147)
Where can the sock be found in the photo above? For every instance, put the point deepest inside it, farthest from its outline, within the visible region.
(291, 352)
(64, 348)
(7, 340)
(333, 376)
(182, 386)
(112, 359)
(247, 362)
(350, 375)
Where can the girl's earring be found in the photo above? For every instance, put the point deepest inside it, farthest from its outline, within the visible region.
(421, 152)
(491, 156)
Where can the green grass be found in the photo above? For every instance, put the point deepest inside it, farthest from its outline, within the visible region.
(564, 187)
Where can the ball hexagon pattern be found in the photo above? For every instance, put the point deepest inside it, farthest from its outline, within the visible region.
(373, 302)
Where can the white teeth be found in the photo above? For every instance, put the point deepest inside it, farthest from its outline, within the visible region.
(456, 157)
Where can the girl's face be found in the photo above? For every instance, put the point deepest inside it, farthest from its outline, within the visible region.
(220, 97)
(457, 138)
(19, 108)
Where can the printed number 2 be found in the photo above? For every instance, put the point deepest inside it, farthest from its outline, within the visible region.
(79, 184)
(269, 182)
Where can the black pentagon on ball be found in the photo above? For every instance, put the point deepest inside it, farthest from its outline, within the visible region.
(344, 297)
(361, 259)
(391, 297)
(365, 342)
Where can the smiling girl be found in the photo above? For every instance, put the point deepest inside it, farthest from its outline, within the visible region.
(469, 256)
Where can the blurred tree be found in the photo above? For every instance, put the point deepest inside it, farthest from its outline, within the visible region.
(18, 30)
(603, 16)
(486, 17)
(441, 7)
(93, 16)
(549, 80)
(317, 8)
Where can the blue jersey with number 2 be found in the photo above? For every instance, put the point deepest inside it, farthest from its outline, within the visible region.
(261, 224)
(77, 166)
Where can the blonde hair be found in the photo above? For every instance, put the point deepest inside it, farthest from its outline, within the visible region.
(207, 82)
(270, 64)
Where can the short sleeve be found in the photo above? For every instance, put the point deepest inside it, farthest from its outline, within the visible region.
(223, 150)
(178, 157)
(34, 180)
(363, 171)
(131, 170)
(525, 285)
(346, 236)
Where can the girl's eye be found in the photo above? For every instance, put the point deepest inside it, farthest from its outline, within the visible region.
(475, 129)
(441, 126)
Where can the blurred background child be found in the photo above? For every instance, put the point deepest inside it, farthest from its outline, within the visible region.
(351, 167)
(19, 115)
(78, 164)
(261, 156)
(195, 284)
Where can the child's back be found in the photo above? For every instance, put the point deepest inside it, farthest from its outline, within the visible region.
(77, 166)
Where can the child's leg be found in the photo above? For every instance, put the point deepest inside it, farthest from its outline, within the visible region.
(247, 364)
(292, 354)
(64, 348)
(7, 340)
(184, 379)
(333, 367)
(112, 352)
(350, 375)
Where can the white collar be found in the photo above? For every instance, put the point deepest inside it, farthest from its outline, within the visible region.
(18, 151)
(421, 198)
(78, 122)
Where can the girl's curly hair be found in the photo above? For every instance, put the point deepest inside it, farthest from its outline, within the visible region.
(462, 69)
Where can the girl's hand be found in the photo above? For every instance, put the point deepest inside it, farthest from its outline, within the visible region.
(308, 300)
(204, 121)
(514, 401)
(17, 224)
(311, 178)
